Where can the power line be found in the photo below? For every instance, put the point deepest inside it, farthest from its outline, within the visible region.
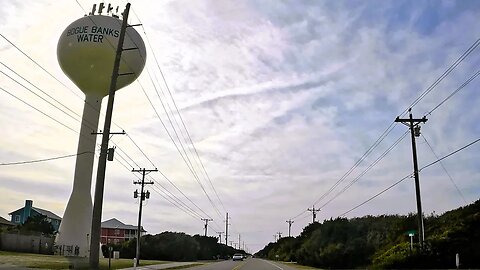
(31, 59)
(384, 134)
(174, 143)
(44, 92)
(51, 75)
(378, 194)
(43, 160)
(181, 192)
(373, 164)
(38, 110)
(185, 157)
(414, 103)
(445, 170)
(85, 12)
(40, 66)
(442, 102)
(87, 123)
(446, 156)
(63, 84)
(473, 77)
(410, 175)
(444, 74)
(181, 118)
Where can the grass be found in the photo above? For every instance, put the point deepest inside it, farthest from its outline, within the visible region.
(299, 266)
(58, 262)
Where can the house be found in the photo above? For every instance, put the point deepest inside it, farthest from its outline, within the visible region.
(116, 232)
(5, 223)
(21, 215)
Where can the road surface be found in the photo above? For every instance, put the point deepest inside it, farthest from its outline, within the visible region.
(248, 264)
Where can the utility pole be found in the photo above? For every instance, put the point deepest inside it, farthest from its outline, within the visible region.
(206, 224)
(226, 231)
(414, 125)
(143, 196)
(275, 236)
(314, 212)
(290, 222)
(239, 243)
(220, 237)
(102, 161)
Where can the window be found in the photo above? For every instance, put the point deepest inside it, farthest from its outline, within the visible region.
(17, 218)
(117, 232)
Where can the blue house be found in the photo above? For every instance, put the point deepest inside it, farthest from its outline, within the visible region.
(21, 215)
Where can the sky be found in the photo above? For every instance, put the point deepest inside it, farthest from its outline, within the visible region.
(280, 100)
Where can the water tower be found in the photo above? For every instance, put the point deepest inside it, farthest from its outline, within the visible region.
(86, 52)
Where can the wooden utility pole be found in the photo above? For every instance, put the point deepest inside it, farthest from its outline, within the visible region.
(314, 213)
(290, 222)
(206, 224)
(226, 231)
(143, 196)
(102, 161)
(414, 126)
(220, 237)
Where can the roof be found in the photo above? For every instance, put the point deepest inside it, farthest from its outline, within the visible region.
(41, 212)
(5, 222)
(114, 223)
(20, 209)
(46, 213)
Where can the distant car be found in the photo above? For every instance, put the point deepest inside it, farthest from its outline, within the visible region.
(237, 257)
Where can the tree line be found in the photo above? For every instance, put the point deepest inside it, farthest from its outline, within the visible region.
(175, 246)
(384, 242)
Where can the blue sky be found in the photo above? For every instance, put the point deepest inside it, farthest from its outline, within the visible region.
(281, 98)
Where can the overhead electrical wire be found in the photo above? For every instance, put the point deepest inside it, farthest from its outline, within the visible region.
(410, 175)
(373, 164)
(167, 133)
(43, 92)
(31, 59)
(166, 194)
(38, 65)
(445, 170)
(170, 136)
(43, 160)
(473, 77)
(192, 168)
(35, 108)
(63, 84)
(444, 75)
(385, 133)
(185, 156)
(179, 114)
(38, 110)
(414, 103)
(462, 86)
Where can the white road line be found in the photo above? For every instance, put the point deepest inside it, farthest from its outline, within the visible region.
(273, 264)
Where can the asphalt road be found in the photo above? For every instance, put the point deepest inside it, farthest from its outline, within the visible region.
(248, 264)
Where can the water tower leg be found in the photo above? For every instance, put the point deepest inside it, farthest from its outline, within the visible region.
(76, 223)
